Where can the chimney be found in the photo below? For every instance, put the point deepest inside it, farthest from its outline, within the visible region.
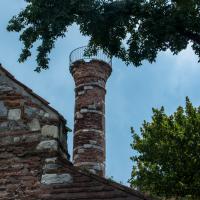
(90, 75)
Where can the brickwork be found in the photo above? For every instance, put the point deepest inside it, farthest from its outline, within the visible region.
(89, 123)
(23, 111)
(34, 162)
(31, 171)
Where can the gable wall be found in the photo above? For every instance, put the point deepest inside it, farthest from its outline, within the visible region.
(21, 111)
(33, 157)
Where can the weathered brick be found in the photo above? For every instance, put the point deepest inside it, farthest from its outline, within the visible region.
(89, 123)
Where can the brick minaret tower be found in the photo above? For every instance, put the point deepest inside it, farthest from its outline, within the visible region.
(90, 76)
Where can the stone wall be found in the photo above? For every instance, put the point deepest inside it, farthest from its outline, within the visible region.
(34, 162)
(22, 110)
(33, 169)
(29, 163)
(89, 123)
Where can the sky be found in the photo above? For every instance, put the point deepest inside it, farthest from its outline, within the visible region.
(131, 92)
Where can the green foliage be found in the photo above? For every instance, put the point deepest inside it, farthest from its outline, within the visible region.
(167, 163)
(111, 179)
(132, 30)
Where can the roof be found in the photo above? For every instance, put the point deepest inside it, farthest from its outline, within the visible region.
(22, 169)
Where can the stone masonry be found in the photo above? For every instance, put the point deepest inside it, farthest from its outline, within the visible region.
(89, 123)
(34, 161)
(23, 110)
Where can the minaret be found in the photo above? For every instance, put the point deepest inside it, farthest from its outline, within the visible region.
(90, 75)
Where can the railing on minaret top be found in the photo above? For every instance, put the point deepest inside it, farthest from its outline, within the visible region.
(90, 77)
(80, 54)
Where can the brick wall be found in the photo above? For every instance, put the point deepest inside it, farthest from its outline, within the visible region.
(89, 121)
(34, 162)
(22, 110)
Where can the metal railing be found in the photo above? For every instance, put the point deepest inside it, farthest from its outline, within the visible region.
(79, 54)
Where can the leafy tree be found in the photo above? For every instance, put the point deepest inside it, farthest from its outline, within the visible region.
(133, 30)
(167, 163)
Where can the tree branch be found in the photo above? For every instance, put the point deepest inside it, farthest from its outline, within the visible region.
(190, 35)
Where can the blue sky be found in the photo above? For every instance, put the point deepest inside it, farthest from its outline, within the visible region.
(131, 92)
